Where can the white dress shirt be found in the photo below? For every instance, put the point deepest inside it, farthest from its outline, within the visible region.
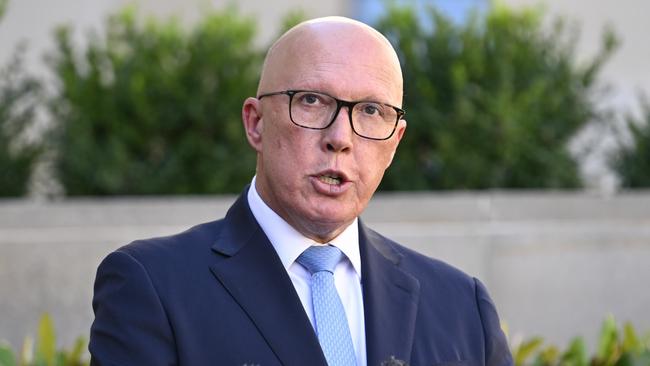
(289, 244)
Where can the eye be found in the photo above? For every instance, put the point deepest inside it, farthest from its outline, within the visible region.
(310, 99)
(371, 109)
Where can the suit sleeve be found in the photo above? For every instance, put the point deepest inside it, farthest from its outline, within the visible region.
(130, 326)
(497, 352)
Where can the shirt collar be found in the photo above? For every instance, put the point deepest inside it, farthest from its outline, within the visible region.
(289, 243)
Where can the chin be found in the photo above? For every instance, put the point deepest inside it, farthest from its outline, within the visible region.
(324, 231)
(333, 217)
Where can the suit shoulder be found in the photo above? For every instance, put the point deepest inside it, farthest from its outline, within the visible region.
(424, 267)
(193, 240)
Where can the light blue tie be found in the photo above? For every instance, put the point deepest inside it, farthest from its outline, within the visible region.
(331, 323)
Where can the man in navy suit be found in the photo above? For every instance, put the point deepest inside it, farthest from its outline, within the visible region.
(325, 124)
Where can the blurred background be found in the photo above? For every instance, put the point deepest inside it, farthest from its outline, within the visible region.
(526, 160)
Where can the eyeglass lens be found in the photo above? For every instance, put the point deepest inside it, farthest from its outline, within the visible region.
(369, 119)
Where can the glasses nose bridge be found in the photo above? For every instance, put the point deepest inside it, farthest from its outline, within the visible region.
(339, 105)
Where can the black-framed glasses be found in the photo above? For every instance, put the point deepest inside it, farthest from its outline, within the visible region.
(317, 111)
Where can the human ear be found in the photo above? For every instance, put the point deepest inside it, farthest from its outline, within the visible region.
(253, 124)
(399, 133)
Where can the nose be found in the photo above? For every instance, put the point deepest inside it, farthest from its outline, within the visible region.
(338, 136)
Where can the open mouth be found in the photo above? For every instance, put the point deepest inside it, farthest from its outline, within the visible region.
(331, 179)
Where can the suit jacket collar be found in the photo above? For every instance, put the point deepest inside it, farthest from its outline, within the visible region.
(390, 298)
(250, 270)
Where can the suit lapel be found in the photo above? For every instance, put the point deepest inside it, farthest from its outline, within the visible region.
(254, 276)
(390, 298)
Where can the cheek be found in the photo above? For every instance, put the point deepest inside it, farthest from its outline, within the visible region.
(373, 165)
(286, 151)
(275, 135)
(384, 158)
(297, 144)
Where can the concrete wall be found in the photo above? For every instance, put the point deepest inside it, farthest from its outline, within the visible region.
(555, 263)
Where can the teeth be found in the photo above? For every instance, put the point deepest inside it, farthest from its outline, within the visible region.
(329, 179)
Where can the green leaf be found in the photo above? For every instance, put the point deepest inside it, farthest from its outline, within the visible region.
(60, 359)
(27, 351)
(526, 349)
(547, 356)
(46, 344)
(6, 355)
(608, 345)
(642, 359)
(75, 356)
(576, 354)
(631, 341)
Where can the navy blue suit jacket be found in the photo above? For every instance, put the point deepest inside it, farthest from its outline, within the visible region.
(217, 294)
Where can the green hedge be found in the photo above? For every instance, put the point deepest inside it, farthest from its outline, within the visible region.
(492, 102)
(154, 108)
(632, 161)
(19, 96)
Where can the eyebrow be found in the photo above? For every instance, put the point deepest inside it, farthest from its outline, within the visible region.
(318, 86)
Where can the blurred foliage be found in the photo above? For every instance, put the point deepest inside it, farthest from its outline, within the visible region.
(290, 20)
(44, 353)
(632, 161)
(3, 7)
(491, 102)
(154, 108)
(20, 94)
(616, 347)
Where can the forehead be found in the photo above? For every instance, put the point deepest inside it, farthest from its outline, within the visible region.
(348, 61)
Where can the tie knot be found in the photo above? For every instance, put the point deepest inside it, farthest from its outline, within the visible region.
(319, 258)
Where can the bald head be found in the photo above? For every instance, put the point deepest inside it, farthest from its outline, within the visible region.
(296, 57)
(320, 179)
